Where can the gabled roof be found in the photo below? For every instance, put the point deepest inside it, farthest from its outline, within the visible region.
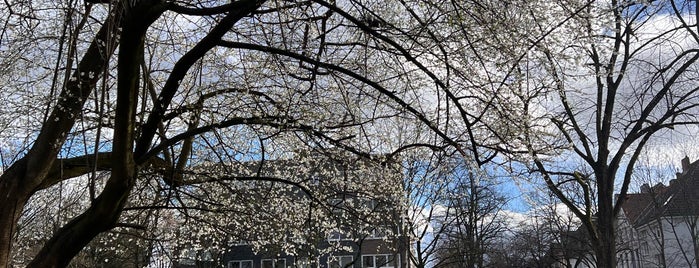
(635, 204)
(680, 198)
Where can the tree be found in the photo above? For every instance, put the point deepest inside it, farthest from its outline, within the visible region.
(551, 235)
(53, 207)
(274, 75)
(425, 186)
(195, 82)
(584, 109)
(472, 220)
(455, 210)
(308, 206)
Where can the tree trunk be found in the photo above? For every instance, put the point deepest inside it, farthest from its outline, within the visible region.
(605, 227)
(695, 240)
(14, 197)
(107, 208)
(29, 174)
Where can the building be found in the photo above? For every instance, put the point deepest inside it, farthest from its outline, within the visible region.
(334, 210)
(657, 227)
(666, 226)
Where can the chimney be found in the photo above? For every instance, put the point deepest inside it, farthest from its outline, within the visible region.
(645, 188)
(685, 164)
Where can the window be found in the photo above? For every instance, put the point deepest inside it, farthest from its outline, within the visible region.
(337, 208)
(368, 204)
(240, 264)
(315, 180)
(379, 232)
(274, 263)
(305, 262)
(189, 257)
(339, 235)
(339, 261)
(378, 261)
(207, 256)
(240, 242)
(378, 229)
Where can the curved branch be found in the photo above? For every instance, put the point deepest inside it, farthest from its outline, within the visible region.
(181, 68)
(273, 121)
(207, 11)
(352, 74)
(67, 168)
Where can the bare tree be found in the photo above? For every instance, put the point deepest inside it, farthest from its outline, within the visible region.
(592, 95)
(425, 186)
(473, 219)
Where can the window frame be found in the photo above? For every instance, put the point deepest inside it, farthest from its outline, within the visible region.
(240, 262)
(275, 262)
(305, 262)
(390, 258)
(339, 259)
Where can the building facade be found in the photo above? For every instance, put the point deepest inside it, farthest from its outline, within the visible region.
(657, 228)
(666, 227)
(337, 211)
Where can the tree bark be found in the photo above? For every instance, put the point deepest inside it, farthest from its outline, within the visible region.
(606, 221)
(14, 196)
(106, 209)
(24, 177)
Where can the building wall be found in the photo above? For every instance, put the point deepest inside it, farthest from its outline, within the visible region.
(354, 201)
(675, 240)
(627, 244)
(374, 250)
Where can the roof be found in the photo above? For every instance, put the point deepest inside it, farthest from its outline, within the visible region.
(679, 198)
(635, 204)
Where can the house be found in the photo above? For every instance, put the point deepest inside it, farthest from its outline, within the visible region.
(657, 227)
(667, 225)
(334, 210)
